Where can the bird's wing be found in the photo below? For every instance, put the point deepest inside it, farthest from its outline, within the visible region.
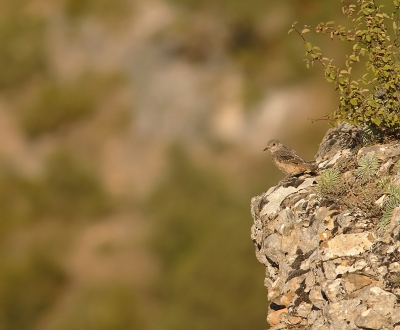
(290, 156)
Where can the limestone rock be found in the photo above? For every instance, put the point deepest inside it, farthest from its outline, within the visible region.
(327, 267)
(396, 316)
(371, 319)
(273, 318)
(382, 151)
(354, 282)
(343, 137)
(346, 245)
(381, 300)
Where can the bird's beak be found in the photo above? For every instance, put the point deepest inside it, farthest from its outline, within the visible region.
(266, 148)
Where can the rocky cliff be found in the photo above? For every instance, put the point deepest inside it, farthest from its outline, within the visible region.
(332, 258)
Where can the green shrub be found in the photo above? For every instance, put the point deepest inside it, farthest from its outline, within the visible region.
(392, 201)
(29, 286)
(69, 190)
(367, 166)
(330, 183)
(373, 99)
(102, 308)
(108, 10)
(72, 190)
(22, 51)
(202, 242)
(21, 199)
(61, 104)
(57, 106)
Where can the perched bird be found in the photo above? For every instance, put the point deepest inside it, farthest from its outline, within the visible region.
(287, 160)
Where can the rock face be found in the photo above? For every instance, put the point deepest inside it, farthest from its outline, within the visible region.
(328, 267)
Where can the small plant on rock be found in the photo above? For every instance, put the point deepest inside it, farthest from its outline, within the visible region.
(330, 184)
(360, 190)
(383, 182)
(396, 166)
(392, 201)
(367, 166)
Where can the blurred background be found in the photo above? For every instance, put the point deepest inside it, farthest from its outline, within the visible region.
(131, 144)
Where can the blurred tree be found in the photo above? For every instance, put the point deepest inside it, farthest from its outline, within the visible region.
(110, 11)
(104, 307)
(72, 190)
(29, 285)
(211, 279)
(22, 51)
(59, 105)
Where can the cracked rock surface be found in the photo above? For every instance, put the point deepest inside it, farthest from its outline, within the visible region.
(326, 267)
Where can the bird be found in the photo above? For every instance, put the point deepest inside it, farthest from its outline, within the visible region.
(287, 160)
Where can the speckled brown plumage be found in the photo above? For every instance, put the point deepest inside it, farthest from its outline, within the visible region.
(286, 159)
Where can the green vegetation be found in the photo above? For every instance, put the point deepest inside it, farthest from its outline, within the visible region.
(103, 308)
(209, 276)
(31, 276)
(392, 201)
(231, 9)
(202, 239)
(367, 166)
(71, 189)
(359, 192)
(22, 51)
(242, 37)
(59, 105)
(56, 107)
(107, 10)
(19, 199)
(371, 100)
(330, 183)
(29, 285)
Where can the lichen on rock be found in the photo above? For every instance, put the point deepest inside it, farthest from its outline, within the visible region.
(328, 264)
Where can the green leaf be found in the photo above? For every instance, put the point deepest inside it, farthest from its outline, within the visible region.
(376, 120)
(354, 101)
